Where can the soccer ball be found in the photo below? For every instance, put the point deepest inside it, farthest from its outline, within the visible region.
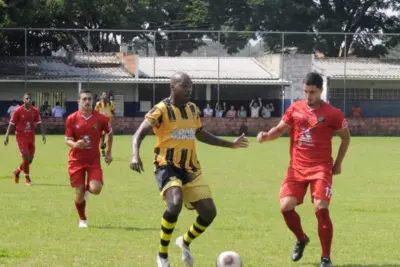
(229, 259)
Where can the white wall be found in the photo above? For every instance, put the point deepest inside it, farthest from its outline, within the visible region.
(10, 91)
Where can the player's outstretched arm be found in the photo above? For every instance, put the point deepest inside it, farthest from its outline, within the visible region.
(274, 133)
(9, 129)
(210, 139)
(140, 134)
(344, 135)
(43, 133)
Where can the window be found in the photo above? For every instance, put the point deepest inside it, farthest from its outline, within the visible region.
(351, 93)
(51, 98)
(386, 94)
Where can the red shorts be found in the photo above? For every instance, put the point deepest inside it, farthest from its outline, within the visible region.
(79, 172)
(26, 147)
(297, 181)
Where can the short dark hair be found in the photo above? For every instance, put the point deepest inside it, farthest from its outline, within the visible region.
(84, 92)
(27, 93)
(314, 78)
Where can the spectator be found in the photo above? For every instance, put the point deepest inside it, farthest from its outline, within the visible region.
(45, 109)
(208, 111)
(58, 111)
(266, 111)
(219, 112)
(231, 113)
(13, 107)
(255, 108)
(356, 110)
(242, 113)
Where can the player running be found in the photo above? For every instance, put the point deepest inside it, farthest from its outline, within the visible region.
(105, 106)
(83, 132)
(176, 123)
(24, 119)
(312, 123)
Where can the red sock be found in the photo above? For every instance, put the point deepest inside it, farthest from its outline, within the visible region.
(25, 167)
(325, 231)
(293, 222)
(80, 207)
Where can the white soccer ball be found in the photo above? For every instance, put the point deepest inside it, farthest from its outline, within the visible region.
(229, 259)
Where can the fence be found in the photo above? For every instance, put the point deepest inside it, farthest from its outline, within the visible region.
(351, 63)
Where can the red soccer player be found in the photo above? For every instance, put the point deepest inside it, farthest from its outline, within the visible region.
(25, 118)
(83, 132)
(312, 123)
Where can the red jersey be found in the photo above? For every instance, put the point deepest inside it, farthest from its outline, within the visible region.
(311, 134)
(90, 130)
(25, 121)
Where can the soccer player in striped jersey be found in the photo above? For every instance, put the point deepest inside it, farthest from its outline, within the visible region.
(176, 124)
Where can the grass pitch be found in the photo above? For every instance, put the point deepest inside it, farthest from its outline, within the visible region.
(39, 224)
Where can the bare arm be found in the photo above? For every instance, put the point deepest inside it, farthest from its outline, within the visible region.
(109, 142)
(344, 135)
(10, 127)
(210, 139)
(138, 137)
(42, 129)
(274, 133)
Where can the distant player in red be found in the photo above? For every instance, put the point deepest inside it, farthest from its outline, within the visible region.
(25, 119)
(312, 123)
(83, 133)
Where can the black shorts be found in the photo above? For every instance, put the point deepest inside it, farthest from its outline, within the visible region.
(164, 173)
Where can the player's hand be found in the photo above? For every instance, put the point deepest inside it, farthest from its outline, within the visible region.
(337, 169)
(108, 158)
(44, 139)
(240, 142)
(80, 144)
(6, 140)
(136, 164)
(260, 137)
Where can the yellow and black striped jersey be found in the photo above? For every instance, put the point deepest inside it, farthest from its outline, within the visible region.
(106, 109)
(175, 128)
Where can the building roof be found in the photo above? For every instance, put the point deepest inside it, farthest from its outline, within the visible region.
(235, 68)
(109, 67)
(358, 68)
(55, 68)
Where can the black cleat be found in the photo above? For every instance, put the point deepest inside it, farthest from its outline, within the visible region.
(326, 262)
(298, 250)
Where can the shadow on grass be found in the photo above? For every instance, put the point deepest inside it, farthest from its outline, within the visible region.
(40, 184)
(109, 227)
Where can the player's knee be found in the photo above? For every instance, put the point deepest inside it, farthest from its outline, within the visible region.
(320, 204)
(26, 158)
(288, 204)
(95, 188)
(174, 200)
(210, 214)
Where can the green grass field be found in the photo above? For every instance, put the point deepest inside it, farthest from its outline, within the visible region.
(39, 224)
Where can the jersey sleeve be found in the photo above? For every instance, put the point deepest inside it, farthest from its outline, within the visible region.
(112, 107)
(339, 121)
(38, 119)
(155, 116)
(69, 134)
(288, 116)
(15, 117)
(106, 125)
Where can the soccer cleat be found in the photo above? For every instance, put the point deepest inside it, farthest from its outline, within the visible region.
(16, 176)
(83, 224)
(326, 262)
(161, 262)
(298, 250)
(187, 257)
(28, 181)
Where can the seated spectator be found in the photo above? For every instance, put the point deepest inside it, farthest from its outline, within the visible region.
(255, 108)
(242, 113)
(208, 111)
(45, 109)
(266, 111)
(13, 107)
(356, 110)
(231, 113)
(219, 112)
(58, 111)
